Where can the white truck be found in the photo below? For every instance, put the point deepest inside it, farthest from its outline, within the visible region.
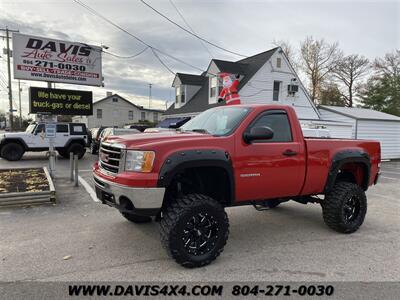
(70, 137)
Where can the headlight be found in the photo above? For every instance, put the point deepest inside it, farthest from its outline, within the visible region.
(139, 161)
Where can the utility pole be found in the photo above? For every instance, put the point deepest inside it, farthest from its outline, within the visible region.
(19, 102)
(9, 74)
(150, 95)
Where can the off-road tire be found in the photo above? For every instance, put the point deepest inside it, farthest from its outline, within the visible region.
(176, 217)
(12, 151)
(136, 218)
(334, 207)
(77, 149)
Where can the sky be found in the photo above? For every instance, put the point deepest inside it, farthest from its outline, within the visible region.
(369, 28)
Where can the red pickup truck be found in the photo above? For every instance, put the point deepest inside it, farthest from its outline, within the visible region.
(229, 156)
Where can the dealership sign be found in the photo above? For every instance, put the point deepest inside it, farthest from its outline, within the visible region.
(60, 102)
(43, 59)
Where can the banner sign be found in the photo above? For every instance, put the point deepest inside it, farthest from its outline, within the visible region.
(60, 102)
(51, 60)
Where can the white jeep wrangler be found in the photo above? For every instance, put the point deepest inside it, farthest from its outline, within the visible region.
(70, 137)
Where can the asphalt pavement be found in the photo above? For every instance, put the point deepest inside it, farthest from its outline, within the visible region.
(289, 243)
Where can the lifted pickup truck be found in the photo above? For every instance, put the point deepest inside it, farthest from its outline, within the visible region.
(229, 156)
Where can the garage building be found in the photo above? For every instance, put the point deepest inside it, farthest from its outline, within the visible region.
(369, 124)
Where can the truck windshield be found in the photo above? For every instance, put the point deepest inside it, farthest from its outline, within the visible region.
(217, 121)
(30, 128)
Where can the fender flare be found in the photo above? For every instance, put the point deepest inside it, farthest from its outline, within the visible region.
(17, 140)
(72, 140)
(182, 160)
(348, 156)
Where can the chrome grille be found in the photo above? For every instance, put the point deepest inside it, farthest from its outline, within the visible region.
(110, 157)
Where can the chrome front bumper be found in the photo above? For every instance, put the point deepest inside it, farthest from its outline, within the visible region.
(141, 198)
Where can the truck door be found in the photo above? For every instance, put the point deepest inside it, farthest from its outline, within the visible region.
(273, 168)
(62, 135)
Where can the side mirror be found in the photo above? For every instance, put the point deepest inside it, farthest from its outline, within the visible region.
(258, 133)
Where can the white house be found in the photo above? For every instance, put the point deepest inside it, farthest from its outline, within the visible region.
(116, 111)
(267, 78)
(369, 124)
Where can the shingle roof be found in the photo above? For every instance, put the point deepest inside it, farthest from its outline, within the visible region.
(131, 103)
(247, 67)
(230, 66)
(360, 113)
(198, 103)
(191, 79)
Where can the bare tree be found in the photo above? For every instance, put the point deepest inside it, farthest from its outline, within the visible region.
(318, 58)
(348, 71)
(389, 65)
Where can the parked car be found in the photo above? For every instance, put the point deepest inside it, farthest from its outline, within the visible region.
(70, 137)
(230, 156)
(140, 127)
(95, 144)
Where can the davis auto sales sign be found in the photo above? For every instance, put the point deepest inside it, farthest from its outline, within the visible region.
(37, 58)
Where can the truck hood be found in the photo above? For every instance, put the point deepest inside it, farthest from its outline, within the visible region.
(143, 140)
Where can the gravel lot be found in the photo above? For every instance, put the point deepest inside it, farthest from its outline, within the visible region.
(289, 243)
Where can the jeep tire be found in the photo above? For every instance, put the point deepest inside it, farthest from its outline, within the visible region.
(77, 149)
(12, 151)
(344, 208)
(194, 229)
(136, 218)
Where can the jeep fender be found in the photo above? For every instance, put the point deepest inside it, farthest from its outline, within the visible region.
(15, 140)
(348, 156)
(181, 160)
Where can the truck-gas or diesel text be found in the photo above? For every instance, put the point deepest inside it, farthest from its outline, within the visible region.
(229, 156)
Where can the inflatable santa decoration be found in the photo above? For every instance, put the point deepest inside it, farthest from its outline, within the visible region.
(229, 92)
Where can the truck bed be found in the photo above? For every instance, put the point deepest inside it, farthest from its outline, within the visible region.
(322, 153)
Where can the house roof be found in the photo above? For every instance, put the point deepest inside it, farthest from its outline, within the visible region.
(191, 79)
(198, 103)
(131, 103)
(229, 66)
(247, 67)
(360, 113)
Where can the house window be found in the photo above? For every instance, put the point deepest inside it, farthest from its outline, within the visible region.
(155, 117)
(115, 99)
(99, 113)
(143, 115)
(178, 92)
(275, 95)
(130, 115)
(278, 62)
(183, 96)
(213, 86)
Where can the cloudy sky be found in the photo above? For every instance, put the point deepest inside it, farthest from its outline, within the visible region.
(370, 28)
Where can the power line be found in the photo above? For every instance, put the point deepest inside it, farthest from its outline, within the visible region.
(94, 12)
(190, 27)
(191, 33)
(126, 57)
(160, 60)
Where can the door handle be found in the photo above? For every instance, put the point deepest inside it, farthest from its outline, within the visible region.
(65, 134)
(289, 152)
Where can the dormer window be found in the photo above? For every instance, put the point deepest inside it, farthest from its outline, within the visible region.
(180, 96)
(213, 86)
